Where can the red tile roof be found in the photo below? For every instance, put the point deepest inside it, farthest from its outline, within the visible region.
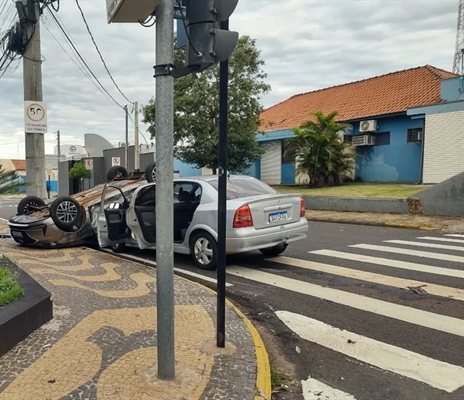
(380, 95)
(20, 165)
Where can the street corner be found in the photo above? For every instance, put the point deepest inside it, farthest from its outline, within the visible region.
(113, 353)
(263, 389)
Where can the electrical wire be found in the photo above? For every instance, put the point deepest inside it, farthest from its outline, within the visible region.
(86, 74)
(186, 30)
(85, 63)
(98, 51)
(146, 142)
(148, 24)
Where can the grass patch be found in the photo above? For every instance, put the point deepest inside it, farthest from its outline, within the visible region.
(390, 190)
(9, 287)
(279, 380)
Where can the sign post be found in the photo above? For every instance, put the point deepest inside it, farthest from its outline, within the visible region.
(49, 173)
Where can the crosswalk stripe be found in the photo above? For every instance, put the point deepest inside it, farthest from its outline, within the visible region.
(380, 279)
(387, 262)
(411, 315)
(437, 239)
(409, 252)
(423, 244)
(454, 235)
(313, 390)
(435, 373)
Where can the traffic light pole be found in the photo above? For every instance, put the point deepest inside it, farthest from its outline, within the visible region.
(222, 196)
(165, 191)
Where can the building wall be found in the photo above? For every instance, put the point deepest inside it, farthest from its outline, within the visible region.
(444, 146)
(396, 161)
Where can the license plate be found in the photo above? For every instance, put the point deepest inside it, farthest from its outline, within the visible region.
(278, 216)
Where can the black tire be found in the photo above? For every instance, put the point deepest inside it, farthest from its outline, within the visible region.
(119, 247)
(116, 172)
(66, 213)
(150, 172)
(202, 238)
(26, 205)
(274, 251)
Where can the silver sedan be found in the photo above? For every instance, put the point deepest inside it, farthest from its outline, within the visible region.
(258, 218)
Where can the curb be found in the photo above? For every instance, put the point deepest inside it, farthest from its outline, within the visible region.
(404, 225)
(263, 367)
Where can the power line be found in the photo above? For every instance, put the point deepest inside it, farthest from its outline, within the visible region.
(86, 74)
(85, 63)
(98, 50)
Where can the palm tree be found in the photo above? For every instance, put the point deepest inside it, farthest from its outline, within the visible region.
(9, 182)
(320, 151)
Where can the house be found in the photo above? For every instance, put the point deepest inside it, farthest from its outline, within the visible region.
(391, 117)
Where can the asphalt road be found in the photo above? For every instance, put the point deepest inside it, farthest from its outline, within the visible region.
(7, 207)
(342, 320)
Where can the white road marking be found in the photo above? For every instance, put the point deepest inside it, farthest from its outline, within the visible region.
(190, 273)
(316, 390)
(431, 245)
(391, 263)
(436, 239)
(427, 319)
(380, 279)
(435, 373)
(454, 235)
(409, 252)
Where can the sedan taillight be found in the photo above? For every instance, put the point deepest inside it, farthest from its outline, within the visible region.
(242, 217)
(302, 207)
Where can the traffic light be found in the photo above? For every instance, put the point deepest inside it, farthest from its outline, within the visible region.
(208, 44)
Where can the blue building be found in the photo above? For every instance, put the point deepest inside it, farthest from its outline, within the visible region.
(389, 120)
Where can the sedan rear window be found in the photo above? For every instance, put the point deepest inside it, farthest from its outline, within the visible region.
(244, 187)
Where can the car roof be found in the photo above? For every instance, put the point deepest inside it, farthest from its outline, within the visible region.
(208, 178)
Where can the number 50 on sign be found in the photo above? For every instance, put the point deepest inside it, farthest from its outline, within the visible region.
(35, 117)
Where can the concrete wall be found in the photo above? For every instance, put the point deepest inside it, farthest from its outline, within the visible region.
(444, 146)
(145, 159)
(445, 198)
(98, 173)
(357, 204)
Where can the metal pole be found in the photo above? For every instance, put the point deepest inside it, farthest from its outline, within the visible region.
(222, 197)
(165, 191)
(136, 139)
(58, 139)
(126, 147)
(32, 77)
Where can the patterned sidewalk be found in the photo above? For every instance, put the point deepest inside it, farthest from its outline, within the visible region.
(101, 343)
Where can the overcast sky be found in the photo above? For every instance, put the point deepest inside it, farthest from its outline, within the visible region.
(306, 45)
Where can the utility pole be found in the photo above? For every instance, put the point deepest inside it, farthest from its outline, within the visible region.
(136, 138)
(32, 78)
(126, 148)
(164, 189)
(58, 139)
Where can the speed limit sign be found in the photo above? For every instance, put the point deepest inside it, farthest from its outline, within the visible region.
(35, 117)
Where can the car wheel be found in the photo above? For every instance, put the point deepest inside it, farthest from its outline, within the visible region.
(116, 172)
(150, 172)
(274, 251)
(66, 213)
(119, 247)
(28, 204)
(204, 248)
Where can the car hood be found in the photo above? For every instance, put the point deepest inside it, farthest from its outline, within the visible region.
(27, 219)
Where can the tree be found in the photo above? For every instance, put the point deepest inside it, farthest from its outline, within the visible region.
(320, 151)
(10, 182)
(78, 171)
(196, 105)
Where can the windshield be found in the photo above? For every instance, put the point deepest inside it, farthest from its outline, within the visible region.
(244, 187)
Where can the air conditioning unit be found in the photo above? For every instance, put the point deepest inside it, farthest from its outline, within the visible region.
(368, 126)
(416, 136)
(363, 140)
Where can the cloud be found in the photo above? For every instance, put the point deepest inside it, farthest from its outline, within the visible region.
(306, 44)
